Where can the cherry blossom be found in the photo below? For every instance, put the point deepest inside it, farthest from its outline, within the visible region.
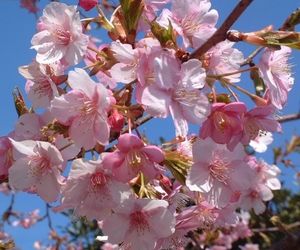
(37, 165)
(125, 70)
(60, 35)
(133, 157)
(257, 120)
(193, 20)
(176, 92)
(92, 191)
(78, 141)
(223, 59)
(84, 109)
(218, 172)
(139, 223)
(6, 157)
(276, 73)
(41, 82)
(224, 124)
(250, 246)
(28, 127)
(255, 196)
(27, 220)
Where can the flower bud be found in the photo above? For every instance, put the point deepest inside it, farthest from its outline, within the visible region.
(116, 121)
(87, 4)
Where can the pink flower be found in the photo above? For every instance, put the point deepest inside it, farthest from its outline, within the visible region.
(202, 215)
(87, 4)
(84, 109)
(28, 127)
(28, 220)
(139, 223)
(255, 196)
(6, 157)
(222, 59)
(257, 120)
(116, 121)
(151, 7)
(60, 35)
(192, 19)
(66, 147)
(224, 124)
(276, 73)
(133, 157)
(125, 70)
(108, 246)
(267, 174)
(175, 91)
(249, 247)
(41, 86)
(37, 165)
(218, 172)
(92, 191)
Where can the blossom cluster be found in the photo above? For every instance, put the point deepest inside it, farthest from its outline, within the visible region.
(144, 196)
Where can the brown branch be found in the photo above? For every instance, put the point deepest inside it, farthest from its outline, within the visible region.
(289, 242)
(249, 59)
(276, 229)
(289, 118)
(221, 34)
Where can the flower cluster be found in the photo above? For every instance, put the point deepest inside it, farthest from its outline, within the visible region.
(144, 196)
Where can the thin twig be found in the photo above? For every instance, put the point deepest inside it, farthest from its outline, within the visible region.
(221, 34)
(138, 123)
(249, 59)
(48, 217)
(289, 118)
(275, 229)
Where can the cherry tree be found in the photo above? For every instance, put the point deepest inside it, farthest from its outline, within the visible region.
(77, 142)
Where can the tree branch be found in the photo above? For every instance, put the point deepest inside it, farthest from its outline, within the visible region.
(221, 34)
(276, 229)
(288, 118)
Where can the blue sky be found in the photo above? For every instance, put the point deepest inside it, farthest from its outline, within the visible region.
(18, 26)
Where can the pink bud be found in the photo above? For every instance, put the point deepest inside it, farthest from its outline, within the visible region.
(116, 121)
(88, 4)
(166, 183)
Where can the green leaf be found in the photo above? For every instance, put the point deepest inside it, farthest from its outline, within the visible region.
(132, 10)
(282, 38)
(292, 21)
(166, 37)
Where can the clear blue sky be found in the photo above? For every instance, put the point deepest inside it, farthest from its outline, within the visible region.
(18, 26)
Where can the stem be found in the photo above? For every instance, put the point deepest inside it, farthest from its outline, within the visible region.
(48, 217)
(66, 146)
(93, 49)
(289, 118)
(244, 91)
(275, 229)
(221, 33)
(138, 122)
(232, 93)
(231, 73)
(249, 59)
